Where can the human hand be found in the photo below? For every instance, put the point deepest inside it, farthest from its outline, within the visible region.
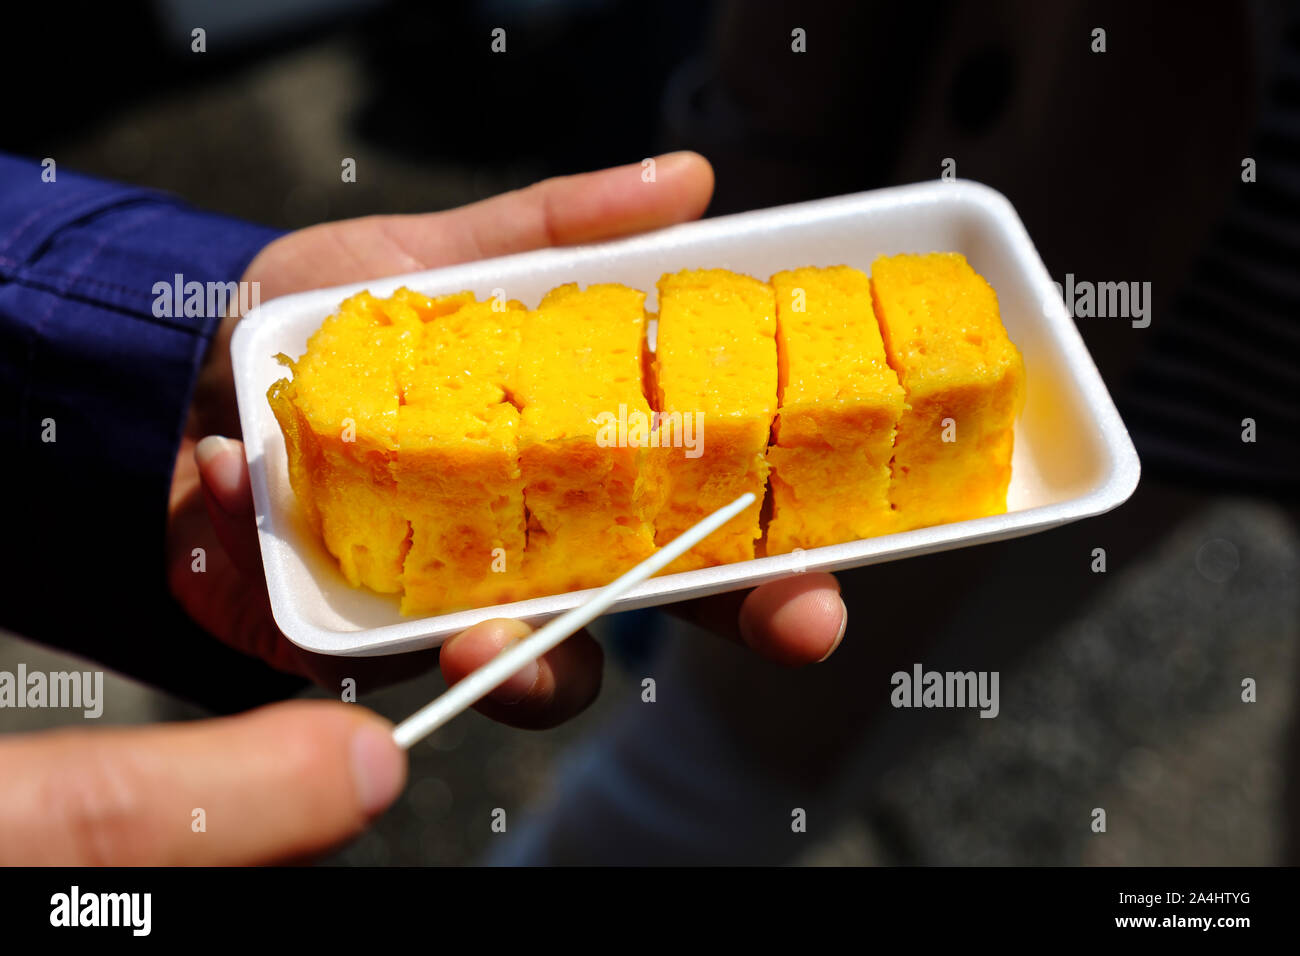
(277, 784)
(795, 621)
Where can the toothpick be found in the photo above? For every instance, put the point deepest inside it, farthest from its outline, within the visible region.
(477, 685)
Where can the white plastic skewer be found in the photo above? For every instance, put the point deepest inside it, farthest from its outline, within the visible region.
(468, 691)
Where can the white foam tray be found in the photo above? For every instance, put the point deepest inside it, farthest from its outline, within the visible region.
(1073, 456)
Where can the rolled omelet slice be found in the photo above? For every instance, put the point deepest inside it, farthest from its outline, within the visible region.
(964, 382)
(591, 489)
(840, 402)
(715, 370)
(457, 468)
(338, 414)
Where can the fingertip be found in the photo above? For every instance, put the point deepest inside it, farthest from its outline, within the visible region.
(795, 621)
(839, 635)
(224, 472)
(337, 742)
(228, 497)
(694, 174)
(475, 646)
(379, 766)
(685, 163)
(543, 693)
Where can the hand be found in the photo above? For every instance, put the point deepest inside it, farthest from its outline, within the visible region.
(795, 621)
(278, 784)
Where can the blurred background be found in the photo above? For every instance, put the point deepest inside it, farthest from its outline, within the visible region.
(1119, 690)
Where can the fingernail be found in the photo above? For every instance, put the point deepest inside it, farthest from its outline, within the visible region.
(378, 767)
(517, 687)
(671, 161)
(488, 639)
(209, 448)
(220, 470)
(844, 626)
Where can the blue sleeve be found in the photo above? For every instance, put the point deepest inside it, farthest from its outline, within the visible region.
(95, 388)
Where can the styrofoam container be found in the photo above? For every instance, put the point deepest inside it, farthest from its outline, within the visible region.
(1073, 457)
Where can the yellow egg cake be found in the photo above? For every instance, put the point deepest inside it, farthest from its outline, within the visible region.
(964, 381)
(839, 404)
(466, 453)
(339, 418)
(591, 495)
(715, 359)
(457, 470)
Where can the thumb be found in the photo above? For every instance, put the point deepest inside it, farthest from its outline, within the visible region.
(277, 783)
(561, 211)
